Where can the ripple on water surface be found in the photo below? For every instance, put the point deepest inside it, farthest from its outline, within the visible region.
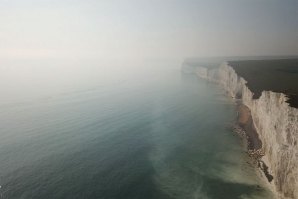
(163, 138)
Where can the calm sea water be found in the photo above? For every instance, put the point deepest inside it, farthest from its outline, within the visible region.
(92, 133)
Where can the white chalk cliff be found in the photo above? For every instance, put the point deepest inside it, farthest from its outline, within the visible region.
(276, 123)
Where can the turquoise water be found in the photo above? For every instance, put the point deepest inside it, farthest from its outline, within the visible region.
(148, 134)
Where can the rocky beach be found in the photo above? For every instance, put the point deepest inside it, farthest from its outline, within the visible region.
(267, 91)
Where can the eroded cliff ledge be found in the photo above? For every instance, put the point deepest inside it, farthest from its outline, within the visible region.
(269, 88)
(279, 76)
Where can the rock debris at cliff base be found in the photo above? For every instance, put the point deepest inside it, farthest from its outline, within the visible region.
(269, 88)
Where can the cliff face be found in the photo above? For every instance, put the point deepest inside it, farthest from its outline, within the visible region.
(276, 123)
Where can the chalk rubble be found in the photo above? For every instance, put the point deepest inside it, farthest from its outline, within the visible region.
(276, 123)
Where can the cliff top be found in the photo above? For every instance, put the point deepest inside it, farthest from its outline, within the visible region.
(279, 76)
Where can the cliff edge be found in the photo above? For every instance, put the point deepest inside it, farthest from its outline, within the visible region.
(269, 88)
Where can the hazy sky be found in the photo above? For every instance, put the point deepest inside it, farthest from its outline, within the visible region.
(146, 29)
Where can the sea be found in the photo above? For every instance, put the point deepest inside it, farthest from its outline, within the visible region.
(119, 132)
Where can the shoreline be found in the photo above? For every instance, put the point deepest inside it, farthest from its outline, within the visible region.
(245, 128)
(274, 119)
(245, 122)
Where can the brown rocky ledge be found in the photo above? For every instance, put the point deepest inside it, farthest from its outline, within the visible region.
(245, 128)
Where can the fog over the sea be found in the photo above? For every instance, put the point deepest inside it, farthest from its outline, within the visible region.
(50, 45)
(138, 30)
(93, 103)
